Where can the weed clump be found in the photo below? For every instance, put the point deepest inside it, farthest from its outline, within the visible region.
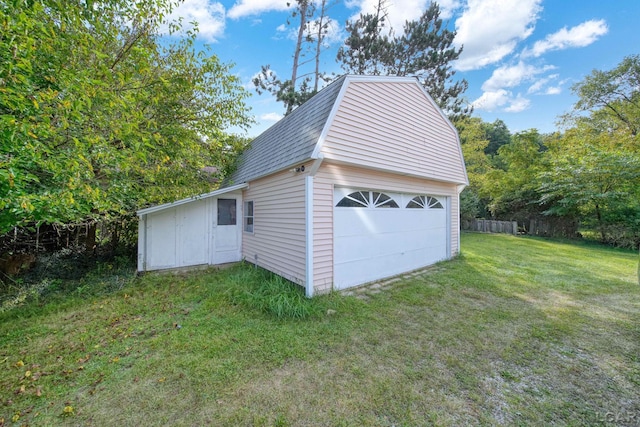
(269, 293)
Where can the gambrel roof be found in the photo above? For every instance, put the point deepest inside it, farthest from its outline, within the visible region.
(378, 122)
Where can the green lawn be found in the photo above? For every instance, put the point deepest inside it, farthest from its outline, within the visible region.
(516, 331)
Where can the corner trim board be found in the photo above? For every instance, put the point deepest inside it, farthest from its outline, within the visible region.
(308, 195)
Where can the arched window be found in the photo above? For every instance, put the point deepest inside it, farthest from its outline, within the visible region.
(424, 202)
(367, 199)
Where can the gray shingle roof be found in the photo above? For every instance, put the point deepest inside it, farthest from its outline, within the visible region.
(289, 141)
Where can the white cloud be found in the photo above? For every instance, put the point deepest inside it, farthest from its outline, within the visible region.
(537, 86)
(489, 30)
(502, 100)
(511, 76)
(490, 101)
(579, 36)
(209, 15)
(517, 104)
(270, 117)
(244, 8)
(400, 11)
(553, 90)
(495, 94)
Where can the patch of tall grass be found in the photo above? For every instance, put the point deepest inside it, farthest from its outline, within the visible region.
(269, 293)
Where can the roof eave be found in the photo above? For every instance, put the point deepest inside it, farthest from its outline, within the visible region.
(164, 206)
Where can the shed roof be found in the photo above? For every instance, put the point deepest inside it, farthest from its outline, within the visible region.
(164, 206)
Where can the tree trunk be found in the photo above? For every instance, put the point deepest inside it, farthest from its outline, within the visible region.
(303, 5)
(600, 224)
(90, 242)
(115, 237)
(320, 37)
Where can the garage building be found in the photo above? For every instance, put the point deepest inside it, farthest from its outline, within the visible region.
(360, 183)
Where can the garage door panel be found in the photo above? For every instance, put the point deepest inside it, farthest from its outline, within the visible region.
(356, 247)
(372, 243)
(365, 270)
(357, 222)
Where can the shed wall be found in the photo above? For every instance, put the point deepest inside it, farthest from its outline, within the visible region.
(278, 240)
(394, 126)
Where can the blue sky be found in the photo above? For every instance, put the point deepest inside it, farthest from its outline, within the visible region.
(520, 57)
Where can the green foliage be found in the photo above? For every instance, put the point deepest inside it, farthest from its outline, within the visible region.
(296, 90)
(613, 95)
(424, 49)
(478, 164)
(100, 116)
(366, 48)
(513, 190)
(284, 91)
(498, 135)
(589, 173)
(594, 167)
(598, 185)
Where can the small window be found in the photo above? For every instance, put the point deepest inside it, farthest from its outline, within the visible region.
(358, 199)
(424, 202)
(365, 199)
(416, 203)
(248, 216)
(226, 211)
(433, 203)
(381, 200)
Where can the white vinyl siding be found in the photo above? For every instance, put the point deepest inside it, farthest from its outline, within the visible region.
(323, 231)
(278, 240)
(394, 127)
(331, 175)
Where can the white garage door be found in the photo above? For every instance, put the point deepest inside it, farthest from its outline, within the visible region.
(379, 234)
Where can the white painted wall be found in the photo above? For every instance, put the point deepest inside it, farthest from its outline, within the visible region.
(187, 234)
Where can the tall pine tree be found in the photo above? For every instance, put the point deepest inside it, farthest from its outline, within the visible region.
(425, 49)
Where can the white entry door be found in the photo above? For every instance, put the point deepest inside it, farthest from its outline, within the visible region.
(226, 235)
(379, 234)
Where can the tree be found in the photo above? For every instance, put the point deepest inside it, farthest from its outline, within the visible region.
(318, 34)
(498, 135)
(474, 142)
(613, 94)
(99, 116)
(366, 48)
(425, 50)
(295, 91)
(594, 177)
(595, 165)
(513, 191)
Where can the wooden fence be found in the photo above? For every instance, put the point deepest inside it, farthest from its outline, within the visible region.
(490, 226)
